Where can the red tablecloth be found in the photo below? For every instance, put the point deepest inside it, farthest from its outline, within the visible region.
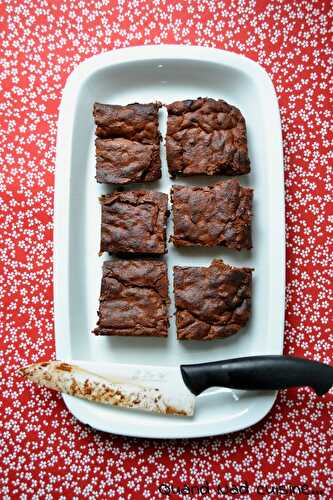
(44, 451)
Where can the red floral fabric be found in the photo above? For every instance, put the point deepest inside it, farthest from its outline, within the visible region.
(45, 452)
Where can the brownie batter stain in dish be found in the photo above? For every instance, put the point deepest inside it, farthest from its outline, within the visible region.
(134, 299)
(128, 143)
(216, 215)
(206, 136)
(211, 302)
(134, 222)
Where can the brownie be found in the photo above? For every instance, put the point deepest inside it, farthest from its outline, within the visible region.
(134, 222)
(206, 136)
(134, 299)
(120, 161)
(128, 143)
(211, 302)
(216, 215)
(135, 122)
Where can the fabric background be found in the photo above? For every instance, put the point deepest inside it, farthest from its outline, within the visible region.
(45, 452)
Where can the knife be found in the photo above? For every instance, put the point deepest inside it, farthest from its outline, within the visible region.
(172, 390)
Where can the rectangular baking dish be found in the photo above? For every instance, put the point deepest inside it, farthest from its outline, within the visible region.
(167, 73)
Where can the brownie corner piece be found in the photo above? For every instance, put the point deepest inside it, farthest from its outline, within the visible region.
(211, 302)
(128, 143)
(136, 122)
(206, 137)
(216, 215)
(134, 299)
(134, 222)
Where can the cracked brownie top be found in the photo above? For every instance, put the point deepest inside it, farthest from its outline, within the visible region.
(136, 122)
(134, 222)
(211, 302)
(216, 215)
(206, 136)
(128, 143)
(134, 299)
(120, 161)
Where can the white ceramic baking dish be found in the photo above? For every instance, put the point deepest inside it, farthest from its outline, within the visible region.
(167, 73)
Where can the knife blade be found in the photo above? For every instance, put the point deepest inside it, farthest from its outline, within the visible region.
(172, 390)
(150, 388)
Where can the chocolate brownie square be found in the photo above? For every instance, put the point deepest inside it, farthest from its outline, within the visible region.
(206, 136)
(216, 215)
(128, 143)
(211, 302)
(134, 222)
(120, 161)
(134, 299)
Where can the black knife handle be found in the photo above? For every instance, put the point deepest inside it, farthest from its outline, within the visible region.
(258, 373)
